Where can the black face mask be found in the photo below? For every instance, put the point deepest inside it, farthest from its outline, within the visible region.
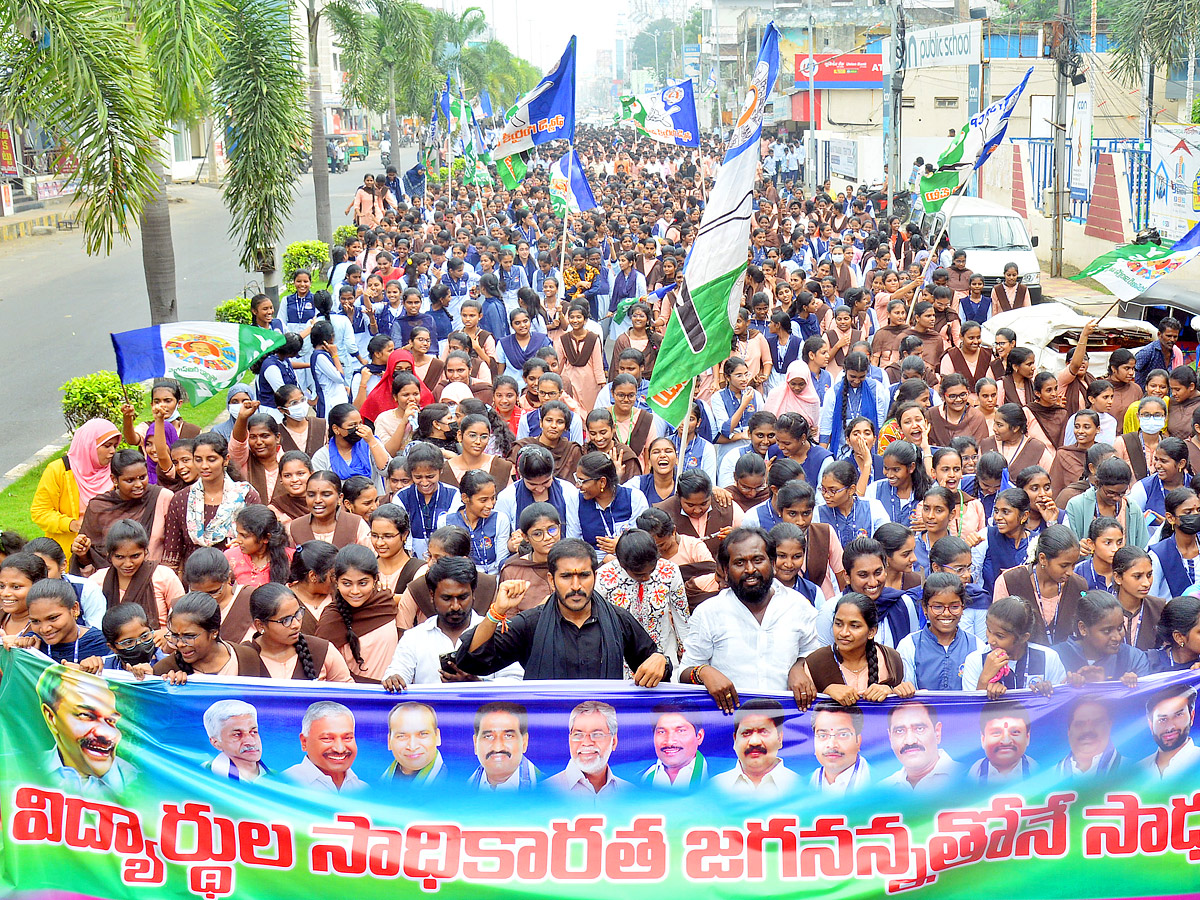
(352, 438)
(141, 652)
(1189, 523)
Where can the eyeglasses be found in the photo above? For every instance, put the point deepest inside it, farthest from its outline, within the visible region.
(594, 736)
(938, 608)
(130, 643)
(385, 537)
(582, 481)
(960, 571)
(842, 734)
(832, 491)
(187, 640)
(540, 533)
(288, 620)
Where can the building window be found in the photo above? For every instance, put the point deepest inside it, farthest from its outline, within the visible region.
(945, 102)
(908, 102)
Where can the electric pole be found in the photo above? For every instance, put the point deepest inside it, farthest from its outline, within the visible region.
(812, 104)
(894, 101)
(1064, 48)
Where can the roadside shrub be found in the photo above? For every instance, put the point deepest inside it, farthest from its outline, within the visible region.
(97, 396)
(235, 311)
(343, 233)
(311, 255)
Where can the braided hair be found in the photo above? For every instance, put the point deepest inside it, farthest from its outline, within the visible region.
(264, 605)
(358, 558)
(870, 614)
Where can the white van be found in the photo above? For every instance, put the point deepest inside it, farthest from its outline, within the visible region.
(993, 236)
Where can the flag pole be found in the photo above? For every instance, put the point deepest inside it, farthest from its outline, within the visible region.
(562, 256)
(683, 436)
(933, 253)
(700, 177)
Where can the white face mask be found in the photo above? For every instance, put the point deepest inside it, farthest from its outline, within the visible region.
(297, 411)
(234, 410)
(837, 259)
(1152, 424)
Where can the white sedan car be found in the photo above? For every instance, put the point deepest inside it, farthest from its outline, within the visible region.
(1051, 330)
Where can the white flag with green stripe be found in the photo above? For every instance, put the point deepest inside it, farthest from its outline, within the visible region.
(699, 333)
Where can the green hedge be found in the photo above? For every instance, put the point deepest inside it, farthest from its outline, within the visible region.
(311, 255)
(343, 233)
(97, 396)
(235, 311)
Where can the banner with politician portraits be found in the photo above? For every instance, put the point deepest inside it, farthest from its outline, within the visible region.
(114, 788)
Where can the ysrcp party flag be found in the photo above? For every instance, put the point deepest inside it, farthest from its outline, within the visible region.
(569, 188)
(1133, 269)
(513, 170)
(710, 85)
(205, 357)
(667, 116)
(700, 331)
(546, 113)
(970, 150)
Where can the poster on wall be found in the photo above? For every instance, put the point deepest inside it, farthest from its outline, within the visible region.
(258, 789)
(1081, 148)
(1175, 178)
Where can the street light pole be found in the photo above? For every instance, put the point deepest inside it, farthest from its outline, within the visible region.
(812, 104)
(657, 71)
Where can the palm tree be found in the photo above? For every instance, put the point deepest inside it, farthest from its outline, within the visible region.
(108, 80)
(260, 97)
(451, 34)
(316, 108)
(79, 70)
(1154, 32)
(384, 44)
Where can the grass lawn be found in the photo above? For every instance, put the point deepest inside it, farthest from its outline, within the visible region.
(16, 498)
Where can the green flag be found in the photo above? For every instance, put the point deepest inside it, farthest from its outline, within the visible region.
(512, 170)
(699, 332)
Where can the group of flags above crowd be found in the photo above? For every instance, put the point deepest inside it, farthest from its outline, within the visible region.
(699, 333)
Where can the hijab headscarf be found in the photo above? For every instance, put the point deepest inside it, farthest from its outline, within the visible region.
(782, 399)
(380, 400)
(84, 457)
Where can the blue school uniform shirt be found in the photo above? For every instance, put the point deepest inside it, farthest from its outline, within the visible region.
(1095, 581)
(489, 538)
(1126, 659)
(422, 516)
(932, 667)
(594, 522)
(90, 642)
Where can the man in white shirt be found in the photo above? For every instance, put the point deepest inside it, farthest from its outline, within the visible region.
(1171, 713)
(501, 739)
(327, 739)
(592, 737)
(422, 655)
(916, 737)
(757, 740)
(750, 636)
(680, 765)
(232, 728)
(1004, 733)
(837, 743)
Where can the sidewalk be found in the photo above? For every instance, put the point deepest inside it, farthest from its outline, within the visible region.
(56, 211)
(1077, 295)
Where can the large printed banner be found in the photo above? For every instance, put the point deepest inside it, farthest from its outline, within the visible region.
(214, 789)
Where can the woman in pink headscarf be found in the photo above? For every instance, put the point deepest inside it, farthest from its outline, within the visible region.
(796, 395)
(71, 481)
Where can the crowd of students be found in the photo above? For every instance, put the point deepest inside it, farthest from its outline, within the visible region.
(937, 513)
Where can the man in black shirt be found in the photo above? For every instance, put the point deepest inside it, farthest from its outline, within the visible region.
(574, 634)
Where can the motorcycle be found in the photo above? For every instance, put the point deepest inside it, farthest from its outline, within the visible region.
(385, 158)
(304, 162)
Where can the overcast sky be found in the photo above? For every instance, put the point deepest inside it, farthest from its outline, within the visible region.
(538, 30)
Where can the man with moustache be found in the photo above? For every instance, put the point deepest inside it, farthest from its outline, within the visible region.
(916, 737)
(575, 634)
(232, 728)
(837, 743)
(1171, 713)
(414, 739)
(1004, 733)
(423, 654)
(501, 740)
(327, 739)
(750, 636)
(592, 738)
(757, 740)
(81, 712)
(1089, 735)
(680, 766)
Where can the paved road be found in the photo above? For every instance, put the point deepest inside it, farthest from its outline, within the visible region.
(57, 305)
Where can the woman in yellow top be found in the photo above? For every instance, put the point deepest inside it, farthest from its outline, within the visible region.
(71, 481)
